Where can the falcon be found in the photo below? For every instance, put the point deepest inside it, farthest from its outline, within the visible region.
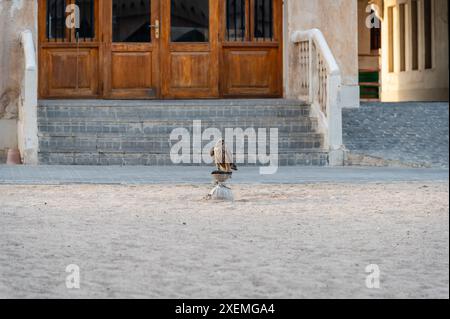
(222, 157)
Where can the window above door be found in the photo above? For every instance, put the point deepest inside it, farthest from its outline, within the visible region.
(60, 12)
(249, 20)
(189, 21)
(131, 21)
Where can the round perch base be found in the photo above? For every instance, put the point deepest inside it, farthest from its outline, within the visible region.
(221, 191)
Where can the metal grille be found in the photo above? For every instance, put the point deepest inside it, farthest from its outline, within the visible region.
(235, 20)
(263, 13)
(87, 30)
(56, 19)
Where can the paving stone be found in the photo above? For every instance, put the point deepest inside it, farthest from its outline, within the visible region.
(408, 132)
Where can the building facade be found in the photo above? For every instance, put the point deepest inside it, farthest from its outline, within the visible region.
(209, 49)
(406, 55)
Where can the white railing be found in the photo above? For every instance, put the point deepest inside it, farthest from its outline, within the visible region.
(320, 84)
(27, 129)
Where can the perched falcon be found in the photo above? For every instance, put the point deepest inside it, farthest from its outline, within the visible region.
(222, 157)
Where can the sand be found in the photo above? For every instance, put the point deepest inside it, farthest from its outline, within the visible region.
(274, 241)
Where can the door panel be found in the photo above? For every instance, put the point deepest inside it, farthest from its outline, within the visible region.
(138, 61)
(250, 71)
(187, 70)
(189, 51)
(64, 78)
(132, 72)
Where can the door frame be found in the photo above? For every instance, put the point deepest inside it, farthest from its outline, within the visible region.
(99, 49)
(147, 51)
(274, 49)
(204, 75)
(92, 51)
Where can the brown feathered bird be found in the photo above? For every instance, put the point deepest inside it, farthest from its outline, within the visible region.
(222, 157)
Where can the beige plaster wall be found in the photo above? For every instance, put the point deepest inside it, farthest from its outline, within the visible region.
(363, 31)
(15, 16)
(420, 85)
(338, 20)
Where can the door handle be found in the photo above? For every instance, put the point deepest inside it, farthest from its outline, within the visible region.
(156, 27)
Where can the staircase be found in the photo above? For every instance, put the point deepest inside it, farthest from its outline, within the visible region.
(102, 132)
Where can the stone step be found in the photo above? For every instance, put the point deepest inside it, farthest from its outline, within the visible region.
(218, 103)
(93, 114)
(193, 110)
(284, 125)
(305, 158)
(156, 144)
(250, 121)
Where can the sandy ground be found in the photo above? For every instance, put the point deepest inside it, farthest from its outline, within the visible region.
(299, 241)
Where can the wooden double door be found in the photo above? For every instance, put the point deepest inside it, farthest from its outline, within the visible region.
(155, 49)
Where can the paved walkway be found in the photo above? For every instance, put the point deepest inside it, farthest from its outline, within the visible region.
(47, 175)
(415, 133)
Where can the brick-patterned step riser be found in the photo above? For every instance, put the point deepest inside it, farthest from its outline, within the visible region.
(61, 128)
(288, 159)
(181, 114)
(157, 144)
